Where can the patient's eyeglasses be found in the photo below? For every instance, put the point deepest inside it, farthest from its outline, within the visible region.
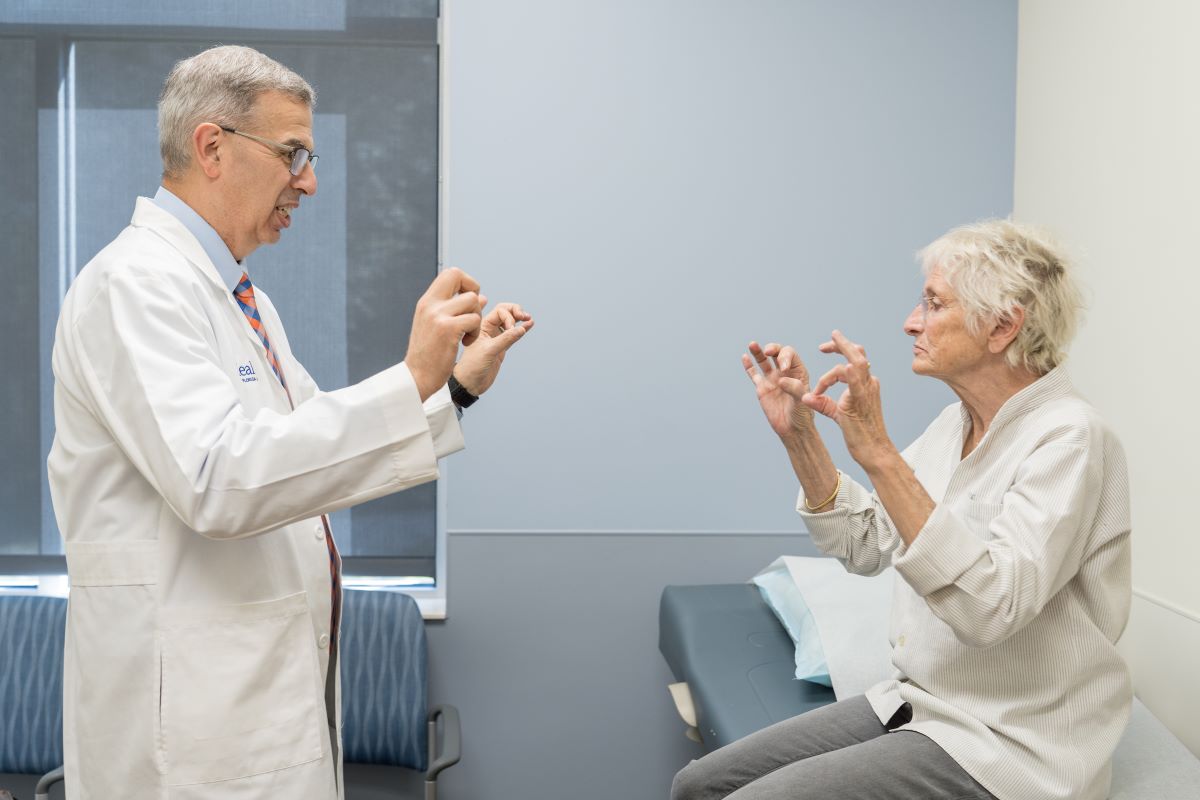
(298, 157)
(932, 304)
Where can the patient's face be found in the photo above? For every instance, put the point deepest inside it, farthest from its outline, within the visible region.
(943, 347)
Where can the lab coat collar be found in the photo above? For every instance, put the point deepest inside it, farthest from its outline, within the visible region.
(147, 214)
(218, 253)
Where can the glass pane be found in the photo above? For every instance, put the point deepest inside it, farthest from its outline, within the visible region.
(20, 467)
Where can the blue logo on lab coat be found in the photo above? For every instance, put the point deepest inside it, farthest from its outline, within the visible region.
(247, 373)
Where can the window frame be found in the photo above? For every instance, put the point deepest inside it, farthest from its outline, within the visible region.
(47, 574)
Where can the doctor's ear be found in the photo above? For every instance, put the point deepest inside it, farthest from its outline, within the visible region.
(206, 148)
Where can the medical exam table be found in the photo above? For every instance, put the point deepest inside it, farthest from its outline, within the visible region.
(736, 665)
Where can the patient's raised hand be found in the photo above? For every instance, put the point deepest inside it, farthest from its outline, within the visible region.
(780, 380)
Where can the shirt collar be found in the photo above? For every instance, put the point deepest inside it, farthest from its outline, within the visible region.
(1051, 386)
(214, 246)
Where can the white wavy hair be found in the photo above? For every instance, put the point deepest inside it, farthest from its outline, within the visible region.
(997, 265)
(218, 85)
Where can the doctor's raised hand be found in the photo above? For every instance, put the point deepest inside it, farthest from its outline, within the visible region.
(503, 327)
(449, 313)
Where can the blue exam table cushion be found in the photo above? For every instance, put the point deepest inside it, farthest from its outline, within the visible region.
(736, 658)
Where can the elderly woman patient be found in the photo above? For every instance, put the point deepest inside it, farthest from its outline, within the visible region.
(1007, 521)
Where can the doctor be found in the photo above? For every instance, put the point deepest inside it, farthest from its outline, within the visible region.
(195, 462)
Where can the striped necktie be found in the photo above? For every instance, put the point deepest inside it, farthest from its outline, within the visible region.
(244, 292)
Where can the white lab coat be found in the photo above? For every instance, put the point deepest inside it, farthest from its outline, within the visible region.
(189, 494)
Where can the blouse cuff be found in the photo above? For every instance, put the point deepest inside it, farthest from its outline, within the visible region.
(828, 528)
(940, 554)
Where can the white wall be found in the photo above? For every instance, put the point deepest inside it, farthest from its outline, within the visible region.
(1108, 156)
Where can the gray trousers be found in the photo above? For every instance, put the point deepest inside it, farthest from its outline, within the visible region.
(836, 751)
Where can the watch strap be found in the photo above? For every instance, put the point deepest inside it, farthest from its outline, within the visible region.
(461, 397)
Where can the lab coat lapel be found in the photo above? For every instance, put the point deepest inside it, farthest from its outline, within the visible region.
(148, 215)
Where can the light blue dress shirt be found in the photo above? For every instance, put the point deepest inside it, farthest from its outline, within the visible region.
(214, 246)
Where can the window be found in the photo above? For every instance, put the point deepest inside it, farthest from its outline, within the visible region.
(81, 83)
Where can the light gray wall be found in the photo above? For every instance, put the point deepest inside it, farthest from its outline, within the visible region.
(660, 181)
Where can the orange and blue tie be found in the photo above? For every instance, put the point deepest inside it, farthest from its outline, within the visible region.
(244, 293)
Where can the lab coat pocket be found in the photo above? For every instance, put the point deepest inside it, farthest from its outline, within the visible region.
(240, 690)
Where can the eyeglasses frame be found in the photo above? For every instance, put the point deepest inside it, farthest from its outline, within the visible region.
(924, 305)
(286, 150)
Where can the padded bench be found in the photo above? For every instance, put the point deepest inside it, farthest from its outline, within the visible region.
(737, 660)
(394, 744)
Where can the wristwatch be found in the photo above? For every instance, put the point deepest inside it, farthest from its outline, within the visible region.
(461, 397)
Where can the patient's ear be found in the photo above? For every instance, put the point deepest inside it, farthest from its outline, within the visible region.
(1006, 329)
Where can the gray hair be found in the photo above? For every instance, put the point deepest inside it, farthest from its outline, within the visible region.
(219, 85)
(998, 265)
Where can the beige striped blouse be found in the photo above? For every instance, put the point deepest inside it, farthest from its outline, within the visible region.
(1015, 592)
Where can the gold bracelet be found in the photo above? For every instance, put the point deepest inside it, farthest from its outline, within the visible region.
(836, 489)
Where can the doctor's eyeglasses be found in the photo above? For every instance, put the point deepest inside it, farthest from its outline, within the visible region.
(298, 157)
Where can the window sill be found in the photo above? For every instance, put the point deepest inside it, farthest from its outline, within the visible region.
(430, 599)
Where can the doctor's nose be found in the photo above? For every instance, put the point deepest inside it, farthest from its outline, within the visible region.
(306, 181)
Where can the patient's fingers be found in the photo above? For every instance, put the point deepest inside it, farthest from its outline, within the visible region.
(751, 370)
(835, 375)
(793, 386)
(782, 358)
(854, 353)
(789, 359)
(773, 351)
(821, 403)
(760, 358)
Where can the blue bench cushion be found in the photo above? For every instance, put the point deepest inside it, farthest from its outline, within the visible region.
(384, 679)
(31, 677)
